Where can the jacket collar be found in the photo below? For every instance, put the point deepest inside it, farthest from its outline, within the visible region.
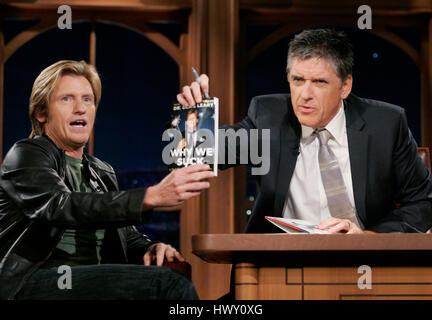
(290, 133)
(358, 146)
(90, 173)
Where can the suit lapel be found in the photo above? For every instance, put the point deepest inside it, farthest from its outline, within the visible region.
(357, 145)
(290, 133)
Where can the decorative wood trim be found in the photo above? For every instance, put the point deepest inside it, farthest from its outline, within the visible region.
(158, 38)
(222, 49)
(289, 29)
(147, 5)
(323, 15)
(271, 39)
(426, 84)
(241, 107)
(100, 14)
(27, 35)
(2, 62)
(92, 58)
(400, 43)
(193, 213)
(379, 5)
(246, 281)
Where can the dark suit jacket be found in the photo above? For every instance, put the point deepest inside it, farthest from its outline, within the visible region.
(198, 142)
(385, 167)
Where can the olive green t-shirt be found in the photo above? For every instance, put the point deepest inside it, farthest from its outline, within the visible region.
(77, 247)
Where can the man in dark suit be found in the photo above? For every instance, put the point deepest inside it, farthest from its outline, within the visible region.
(191, 138)
(345, 163)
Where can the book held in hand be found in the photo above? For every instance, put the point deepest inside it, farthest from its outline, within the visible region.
(193, 135)
(295, 225)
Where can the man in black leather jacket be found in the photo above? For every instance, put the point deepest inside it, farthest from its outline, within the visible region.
(59, 206)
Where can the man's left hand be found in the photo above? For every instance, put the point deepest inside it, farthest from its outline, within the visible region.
(160, 251)
(335, 225)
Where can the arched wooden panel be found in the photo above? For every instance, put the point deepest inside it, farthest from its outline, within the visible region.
(287, 30)
(400, 43)
(48, 23)
(27, 35)
(271, 39)
(159, 39)
(142, 28)
(2, 53)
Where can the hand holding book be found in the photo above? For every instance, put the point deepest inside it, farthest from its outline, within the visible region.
(193, 132)
(193, 94)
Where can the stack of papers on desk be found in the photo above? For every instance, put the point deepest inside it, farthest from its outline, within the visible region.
(295, 225)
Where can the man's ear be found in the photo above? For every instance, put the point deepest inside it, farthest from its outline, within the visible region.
(346, 87)
(41, 116)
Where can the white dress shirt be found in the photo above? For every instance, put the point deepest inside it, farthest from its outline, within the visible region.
(191, 138)
(306, 198)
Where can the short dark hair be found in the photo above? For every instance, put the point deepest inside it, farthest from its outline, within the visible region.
(192, 112)
(323, 43)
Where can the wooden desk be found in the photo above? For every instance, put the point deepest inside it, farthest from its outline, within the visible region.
(305, 266)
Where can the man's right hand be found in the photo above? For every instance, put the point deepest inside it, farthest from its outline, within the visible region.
(191, 95)
(180, 185)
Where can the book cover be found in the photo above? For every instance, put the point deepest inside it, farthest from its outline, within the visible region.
(295, 225)
(193, 135)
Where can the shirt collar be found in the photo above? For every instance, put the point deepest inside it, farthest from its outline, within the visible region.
(336, 127)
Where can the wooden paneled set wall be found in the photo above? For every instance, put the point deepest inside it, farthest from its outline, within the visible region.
(213, 41)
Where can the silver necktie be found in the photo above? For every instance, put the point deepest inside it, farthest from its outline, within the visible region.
(334, 186)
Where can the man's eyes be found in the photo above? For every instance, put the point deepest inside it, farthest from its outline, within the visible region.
(69, 99)
(297, 79)
(318, 82)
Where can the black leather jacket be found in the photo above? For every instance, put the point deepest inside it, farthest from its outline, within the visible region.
(37, 205)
